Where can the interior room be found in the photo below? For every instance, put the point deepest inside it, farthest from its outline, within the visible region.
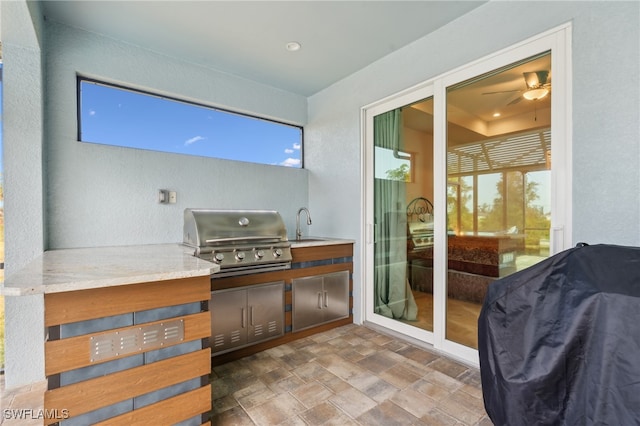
(405, 156)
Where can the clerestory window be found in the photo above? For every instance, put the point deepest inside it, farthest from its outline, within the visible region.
(115, 115)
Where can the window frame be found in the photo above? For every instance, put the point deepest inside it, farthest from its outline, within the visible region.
(80, 79)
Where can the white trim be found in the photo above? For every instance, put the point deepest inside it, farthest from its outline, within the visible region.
(562, 140)
(558, 41)
(439, 211)
(365, 228)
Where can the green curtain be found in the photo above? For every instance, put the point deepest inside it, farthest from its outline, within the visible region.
(393, 297)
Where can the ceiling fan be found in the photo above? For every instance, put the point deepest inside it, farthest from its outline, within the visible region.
(538, 86)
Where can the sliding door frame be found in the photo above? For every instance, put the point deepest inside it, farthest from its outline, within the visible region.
(558, 41)
(402, 99)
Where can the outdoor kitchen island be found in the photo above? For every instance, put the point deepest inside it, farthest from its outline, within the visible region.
(126, 331)
(316, 293)
(270, 290)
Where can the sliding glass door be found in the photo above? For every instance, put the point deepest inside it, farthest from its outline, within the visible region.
(461, 190)
(498, 184)
(403, 214)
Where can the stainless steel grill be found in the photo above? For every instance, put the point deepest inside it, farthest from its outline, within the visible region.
(420, 223)
(240, 241)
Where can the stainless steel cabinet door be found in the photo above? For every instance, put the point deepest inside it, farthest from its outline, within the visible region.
(320, 299)
(228, 319)
(335, 296)
(307, 302)
(265, 312)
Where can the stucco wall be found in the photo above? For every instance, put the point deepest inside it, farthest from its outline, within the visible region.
(103, 195)
(606, 97)
(23, 185)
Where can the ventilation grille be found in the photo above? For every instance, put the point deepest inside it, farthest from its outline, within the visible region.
(144, 338)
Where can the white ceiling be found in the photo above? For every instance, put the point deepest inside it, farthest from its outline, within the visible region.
(338, 38)
(248, 38)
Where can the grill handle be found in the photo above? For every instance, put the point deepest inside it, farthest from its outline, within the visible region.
(244, 238)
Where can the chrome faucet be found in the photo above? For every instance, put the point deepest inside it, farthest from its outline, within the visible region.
(298, 231)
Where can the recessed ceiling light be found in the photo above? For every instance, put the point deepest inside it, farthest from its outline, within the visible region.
(496, 114)
(292, 46)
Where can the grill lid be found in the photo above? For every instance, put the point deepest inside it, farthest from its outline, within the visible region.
(240, 241)
(208, 227)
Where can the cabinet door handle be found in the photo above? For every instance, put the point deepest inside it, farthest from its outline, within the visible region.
(319, 300)
(326, 299)
(251, 316)
(244, 322)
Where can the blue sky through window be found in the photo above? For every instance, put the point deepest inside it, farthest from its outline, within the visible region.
(114, 116)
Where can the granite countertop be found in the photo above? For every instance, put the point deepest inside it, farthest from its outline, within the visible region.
(310, 241)
(85, 268)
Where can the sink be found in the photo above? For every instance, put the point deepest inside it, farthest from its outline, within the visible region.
(310, 241)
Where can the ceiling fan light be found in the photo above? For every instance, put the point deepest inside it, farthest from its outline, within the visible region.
(535, 94)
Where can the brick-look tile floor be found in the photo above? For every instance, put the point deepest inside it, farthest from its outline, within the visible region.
(351, 375)
(29, 397)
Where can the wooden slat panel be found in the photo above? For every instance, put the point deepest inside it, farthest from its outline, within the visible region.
(74, 352)
(244, 280)
(320, 270)
(167, 412)
(72, 306)
(100, 392)
(332, 251)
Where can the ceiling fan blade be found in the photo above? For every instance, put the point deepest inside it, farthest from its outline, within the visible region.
(515, 101)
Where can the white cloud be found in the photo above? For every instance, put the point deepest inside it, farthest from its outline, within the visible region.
(92, 112)
(288, 151)
(296, 146)
(291, 162)
(193, 140)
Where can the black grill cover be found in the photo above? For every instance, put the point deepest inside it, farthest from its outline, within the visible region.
(559, 342)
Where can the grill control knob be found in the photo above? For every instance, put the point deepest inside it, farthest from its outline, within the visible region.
(240, 255)
(277, 252)
(219, 257)
(259, 254)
